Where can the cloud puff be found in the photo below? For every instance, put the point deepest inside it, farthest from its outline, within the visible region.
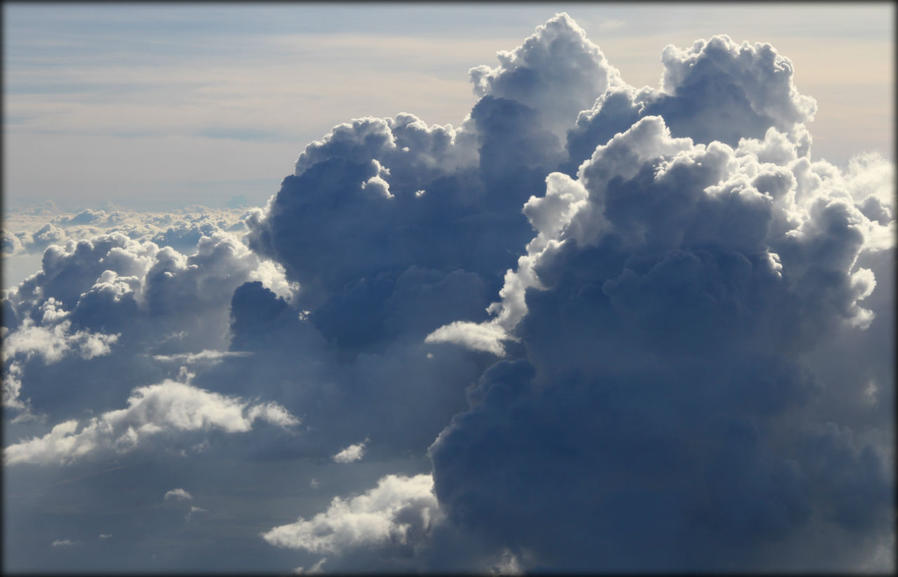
(351, 454)
(177, 495)
(315, 569)
(62, 543)
(714, 90)
(557, 71)
(165, 408)
(51, 342)
(480, 337)
(395, 511)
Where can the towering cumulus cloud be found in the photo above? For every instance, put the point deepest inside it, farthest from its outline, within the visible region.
(662, 403)
(591, 328)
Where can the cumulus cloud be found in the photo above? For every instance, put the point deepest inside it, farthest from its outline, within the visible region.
(557, 71)
(670, 274)
(394, 512)
(714, 90)
(30, 232)
(481, 337)
(51, 341)
(165, 408)
(682, 249)
(351, 454)
(177, 495)
(111, 292)
(654, 289)
(55, 342)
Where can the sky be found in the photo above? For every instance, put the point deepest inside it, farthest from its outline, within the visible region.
(157, 106)
(494, 289)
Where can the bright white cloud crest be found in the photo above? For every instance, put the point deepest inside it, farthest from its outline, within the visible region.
(388, 513)
(177, 495)
(164, 408)
(352, 453)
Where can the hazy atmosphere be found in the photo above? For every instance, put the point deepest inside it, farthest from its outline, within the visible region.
(485, 288)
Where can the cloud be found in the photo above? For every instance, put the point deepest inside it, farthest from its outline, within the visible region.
(202, 356)
(193, 511)
(667, 311)
(481, 337)
(177, 495)
(52, 344)
(318, 567)
(162, 409)
(507, 564)
(714, 90)
(351, 454)
(618, 317)
(111, 296)
(556, 71)
(35, 231)
(395, 511)
(62, 543)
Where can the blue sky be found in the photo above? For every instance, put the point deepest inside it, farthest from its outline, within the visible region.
(155, 106)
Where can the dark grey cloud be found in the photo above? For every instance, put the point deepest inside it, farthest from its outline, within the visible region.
(661, 407)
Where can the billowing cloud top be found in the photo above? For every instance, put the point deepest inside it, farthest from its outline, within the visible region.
(556, 71)
(391, 512)
(593, 327)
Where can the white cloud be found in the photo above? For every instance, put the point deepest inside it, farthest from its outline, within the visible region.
(62, 543)
(507, 564)
(479, 337)
(207, 356)
(168, 407)
(177, 495)
(351, 454)
(50, 343)
(315, 569)
(557, 71)
(193, 511)
(53, 343)
(388, 513)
